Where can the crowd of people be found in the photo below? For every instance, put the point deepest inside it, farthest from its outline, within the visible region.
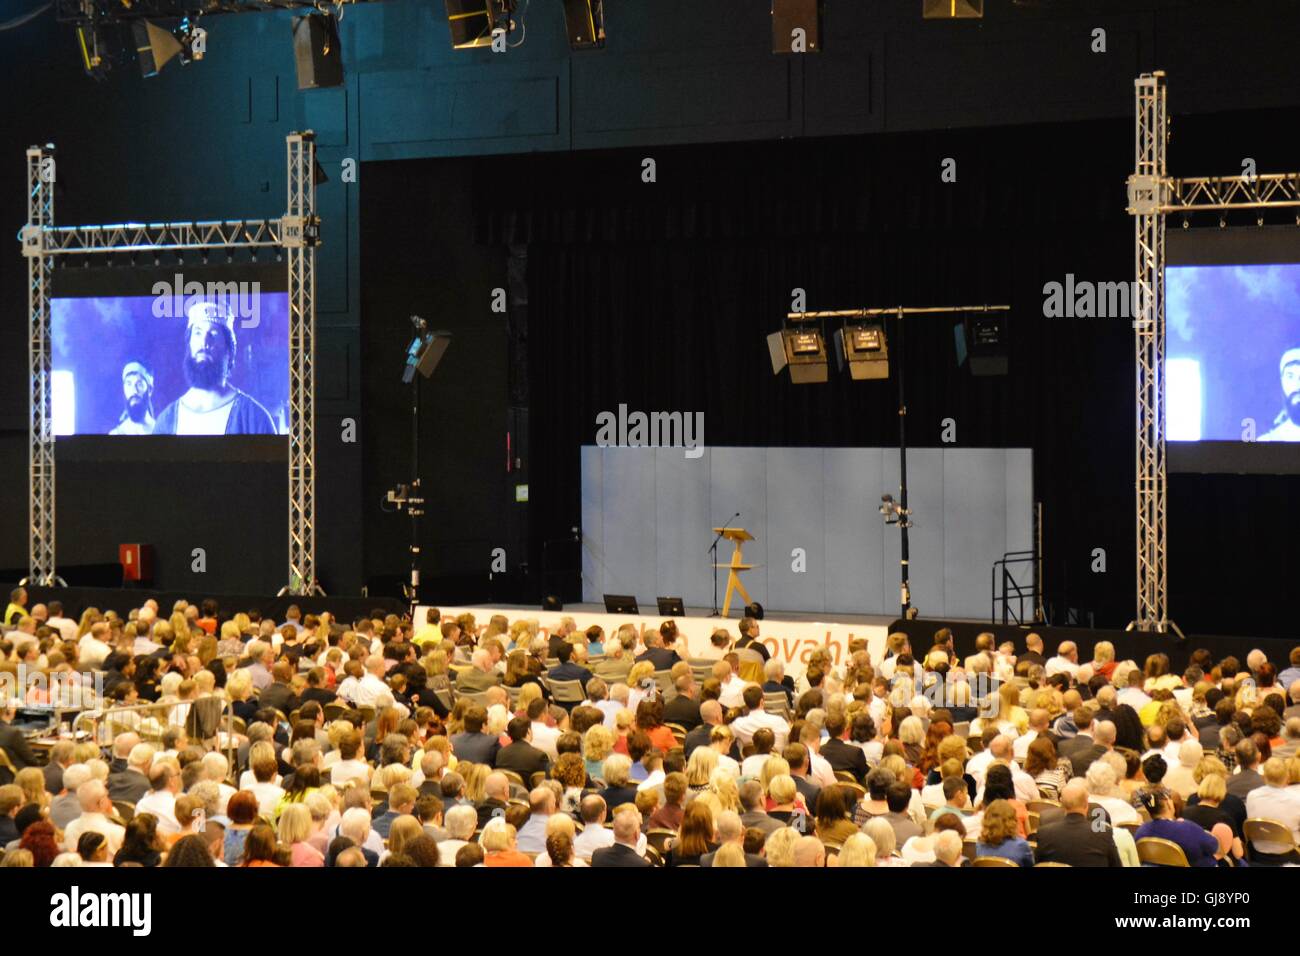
(238, 741)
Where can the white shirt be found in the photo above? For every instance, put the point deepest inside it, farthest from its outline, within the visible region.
(1275, 803)
(92, 652)
(819, 769)
(978, 765)
(368, 690)
(94, 823)
(1134, 697)
(162, 804)
(448, 849)
(753, 764)
(653, 781)
(729, 764)
(744, 727)
(190, 422)
(1058, 665)
(66, 626)
(1020, 746)
(596, 836)
(268, 798)
(545, 738)
(347, 688)
(733, 692)
(248, 780)
(1120, 810)
(346, 770)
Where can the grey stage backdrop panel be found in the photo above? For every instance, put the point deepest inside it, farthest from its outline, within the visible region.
(647, 515)
(682, 504)
(795, 521)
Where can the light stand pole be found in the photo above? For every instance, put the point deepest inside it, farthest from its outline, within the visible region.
(897, 512)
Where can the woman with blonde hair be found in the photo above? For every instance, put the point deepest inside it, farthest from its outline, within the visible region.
(31, 780)
(858, 850)
(779, 846)
(295, 831)
(624, 721)
(239, 688)
(499, 848)
(475, 775)
(436, 666)
(723, 786)
(911, 734)
(782, 797)
(597, 744)
(89, 618)
(878, 830)
(527, 694)
(729, 855)
(403, 830)
(699, 769)
(640, 672)
(1103, 659)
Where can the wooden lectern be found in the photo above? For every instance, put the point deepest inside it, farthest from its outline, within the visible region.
(738, 536)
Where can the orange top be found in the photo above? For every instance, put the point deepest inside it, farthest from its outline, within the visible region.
(507, 858)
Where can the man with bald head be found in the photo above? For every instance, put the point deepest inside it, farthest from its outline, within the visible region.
(1079, 837)
(1039, 723)
(809, 852)
(496, 794)
(133, 782)
(627, 828)
(95, 810)
(731, 830)
(710, 717)
(1066, 660)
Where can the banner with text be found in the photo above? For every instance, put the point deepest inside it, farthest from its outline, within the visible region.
(789, 641)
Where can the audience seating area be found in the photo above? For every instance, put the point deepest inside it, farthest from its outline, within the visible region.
(200, 736)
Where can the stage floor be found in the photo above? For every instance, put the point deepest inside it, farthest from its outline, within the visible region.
(576, 610)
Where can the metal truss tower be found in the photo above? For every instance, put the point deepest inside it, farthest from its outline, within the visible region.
(1152, 195)
(297, 233)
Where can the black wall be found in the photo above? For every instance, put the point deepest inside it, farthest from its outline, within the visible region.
(207, 141)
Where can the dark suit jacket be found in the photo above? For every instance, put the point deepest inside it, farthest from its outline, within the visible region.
(616, 796)
(1073, 840)
(19, 751)
(1081, 758)
(683, 711)
(809, 790)
(662, 658)
(53, 777)
(760, 821)
(129, 785)
(618, 855)
(842, 756)
(319, 694)
(487, 809)
(570, 671)
(476, 748)
(523, 758)
(1070, 744)
(280, 696)
(474, 681)
(698, 737)
(1240, 784)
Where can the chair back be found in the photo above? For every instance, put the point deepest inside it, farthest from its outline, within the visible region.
(968, 849)
(660, 838)
(1262, 830)
(1037, 865)
(1040, 806)
(125, 811)
(995, 861)
(679, 732)
(1158, 851)
(204, 718)
(751, 665)
(513, 777)
(664, 680)
(701, 669)
(775, 702)
(567, 691)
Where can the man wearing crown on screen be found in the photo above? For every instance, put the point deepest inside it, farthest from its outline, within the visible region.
(1286, 426)
(137, 390)
(212, 406)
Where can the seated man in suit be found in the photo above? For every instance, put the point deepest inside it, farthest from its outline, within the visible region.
(566, 669)
(496, 796)
(1072, 838)
(279, 693)
(710, 717)
(627, 828)
(655, 652)
(480, 675)
(520, 755)
(841, 755)
(731, 830)
(472, 744)
(684, 709)
(12, 740)
(776, 682)
(133, 782)
(617, 663)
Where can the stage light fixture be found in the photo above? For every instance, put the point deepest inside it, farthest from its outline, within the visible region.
(584, 22)
(796, 26)
(802, 347)
(982, 338)
(952, 9)
(473, 22)
(863, 348)
(317, 52)
(154, 46)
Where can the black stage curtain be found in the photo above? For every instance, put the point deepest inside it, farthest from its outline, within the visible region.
(659, 295)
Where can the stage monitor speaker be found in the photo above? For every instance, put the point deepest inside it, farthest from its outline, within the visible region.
(952, 9)
(796, 26)
(584, 22)
(671, 607)
(317, 53)
(621, 604)
(154, 46)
